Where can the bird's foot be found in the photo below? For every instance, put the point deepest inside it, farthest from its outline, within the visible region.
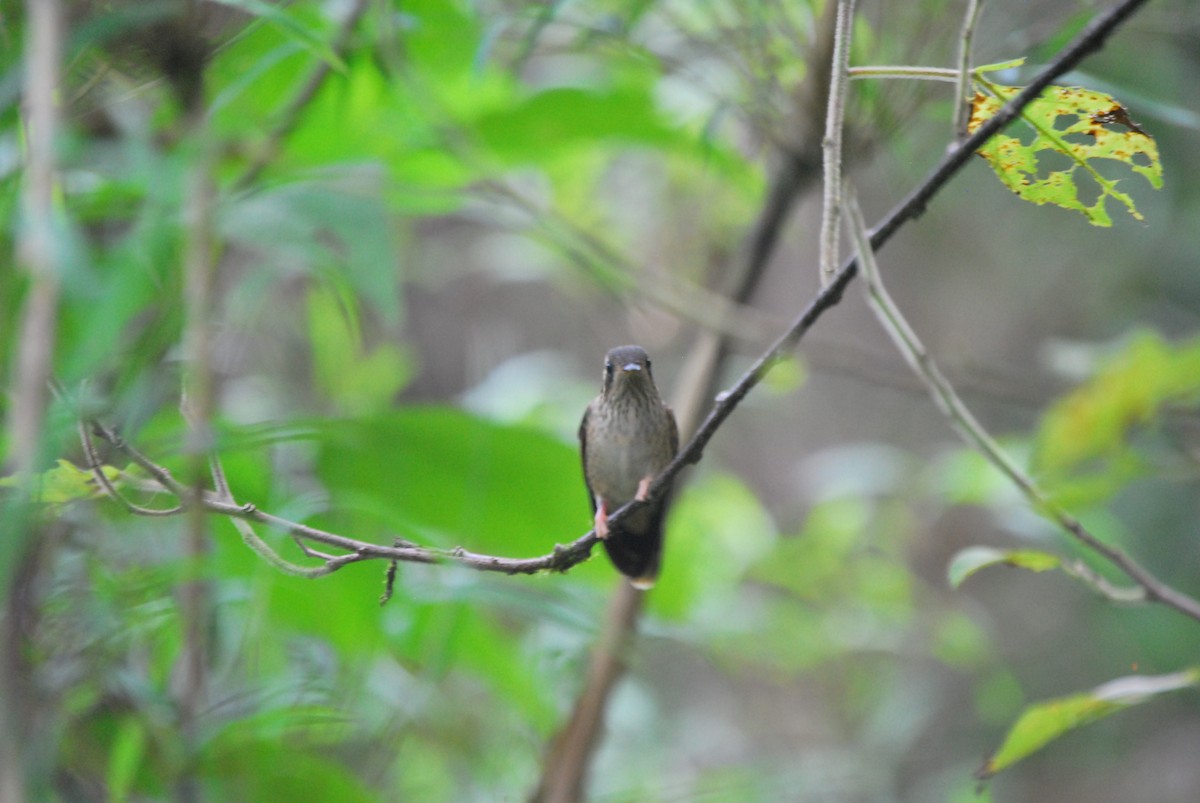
(643, 491)
(601, 521)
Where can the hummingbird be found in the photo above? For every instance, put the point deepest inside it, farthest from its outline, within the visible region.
(627, 436)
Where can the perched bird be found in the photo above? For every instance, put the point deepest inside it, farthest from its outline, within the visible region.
(627, 436)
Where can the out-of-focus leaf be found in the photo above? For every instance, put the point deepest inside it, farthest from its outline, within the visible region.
(288, 21)
(321, 228)
(126, 756)
(428, 772)
(716, 530)
(960, 642)
(564, 117)
(1044, 722)
(1082, 124)
(972, 559)
(998, 697)
(279, 755)
(1130, 388)
(436, 472)
(965, 477)
(254, 75)
(65, 482)
(358, 382)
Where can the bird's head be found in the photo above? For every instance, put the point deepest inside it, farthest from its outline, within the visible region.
(627, 370)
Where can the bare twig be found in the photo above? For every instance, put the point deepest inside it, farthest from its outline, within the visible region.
(903, 71)
(965, 423)
(962, 88)
(691, 302)
(832, 145)
(38, 255)
(565, 772)
(566, 556)
(97, 468)
(1102, 585)
(37, 248)
(561, 559)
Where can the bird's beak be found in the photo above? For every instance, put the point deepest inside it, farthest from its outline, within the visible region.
(633, 366)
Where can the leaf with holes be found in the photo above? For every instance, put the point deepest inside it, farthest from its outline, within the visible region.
(1082, 125)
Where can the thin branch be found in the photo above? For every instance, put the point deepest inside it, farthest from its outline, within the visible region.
(289, 118)
(37, 247)
(565, 556)
(38, 255)
(904, 71)
(691, 302)
(197, 402)
(97, 468)
(974, 434)
(565, 768)
(561, 559)
(962, 88)
(1102, 585)
(563, 777)
(831, 146)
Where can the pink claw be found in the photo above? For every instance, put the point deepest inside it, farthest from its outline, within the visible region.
(644, 489)
(601, 520)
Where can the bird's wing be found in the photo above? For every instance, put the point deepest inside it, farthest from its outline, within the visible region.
(583, 425)
(674, 429)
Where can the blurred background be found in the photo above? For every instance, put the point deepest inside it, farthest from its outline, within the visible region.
(428, 222)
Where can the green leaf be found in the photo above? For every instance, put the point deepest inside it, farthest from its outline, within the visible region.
(1044, 722)
(438, 474)
(64, 483)
(287, 21)
(972, 559)
(1084, 125)
(998, 66)
(358, 382)
(565, 116)
(323, 228)
(127, 755)
(716, 529)
(280, 754)
(1129, 389)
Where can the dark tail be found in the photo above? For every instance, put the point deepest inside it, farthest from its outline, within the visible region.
(638, 556)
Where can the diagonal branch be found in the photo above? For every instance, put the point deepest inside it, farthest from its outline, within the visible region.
(952, 406)
(563, 557)
(1092, 38)
(221, 502)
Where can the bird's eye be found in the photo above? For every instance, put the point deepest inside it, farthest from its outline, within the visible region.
(608, 370)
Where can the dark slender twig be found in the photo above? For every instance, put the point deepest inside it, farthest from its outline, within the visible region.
(1090, 39)
(565, 769)
(565, 556)
(562, 558)
(97, 468)
(962, 84)
(952, 406)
